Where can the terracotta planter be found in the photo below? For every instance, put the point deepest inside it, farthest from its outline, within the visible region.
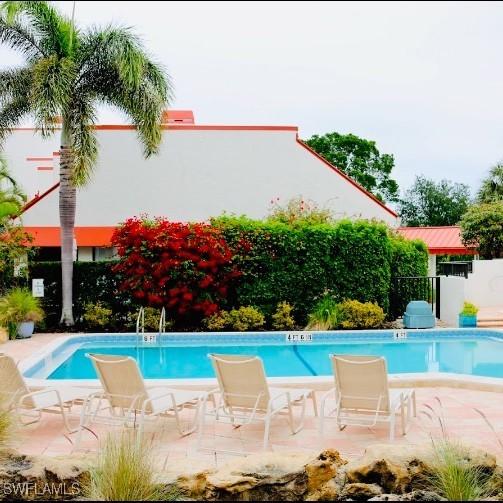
(4, 335)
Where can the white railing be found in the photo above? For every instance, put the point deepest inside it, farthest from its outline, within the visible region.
(140, 325)
(162, 322)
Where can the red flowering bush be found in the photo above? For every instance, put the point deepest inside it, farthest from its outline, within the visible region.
(186, 268)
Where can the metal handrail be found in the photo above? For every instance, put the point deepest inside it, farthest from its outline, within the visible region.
(162, 321)
(140, 323)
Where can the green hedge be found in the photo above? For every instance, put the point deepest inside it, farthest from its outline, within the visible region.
(349, 259)
(92, 282)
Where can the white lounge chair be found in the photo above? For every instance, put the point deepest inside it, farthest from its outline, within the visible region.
(363, 397)
(129, 402)
(245, 396)
(28, 402)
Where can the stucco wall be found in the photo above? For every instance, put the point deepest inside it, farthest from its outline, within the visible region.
(197, 174)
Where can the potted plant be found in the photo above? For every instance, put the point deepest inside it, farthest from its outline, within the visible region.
(19, 311)
(468, 316)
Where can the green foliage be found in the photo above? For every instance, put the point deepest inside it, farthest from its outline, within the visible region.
(492, 187)
(283, 318)
(325, 315)
(7, 426)
(17, 306)
(469, 309)
(428, 203)
(408, 258)
(298, 211)
(349, 259)
(361, 160)
(124, 472)
(482, 229)
(12, 198)
(354, 314)
(97, 315)
(242, 319)
(455, 476)
(93, 282)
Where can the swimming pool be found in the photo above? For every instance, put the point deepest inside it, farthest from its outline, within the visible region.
(477, 352)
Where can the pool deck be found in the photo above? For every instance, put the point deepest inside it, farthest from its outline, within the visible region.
(457, 406)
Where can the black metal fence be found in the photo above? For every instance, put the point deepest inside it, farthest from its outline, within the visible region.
(456, 268)
(407, 288)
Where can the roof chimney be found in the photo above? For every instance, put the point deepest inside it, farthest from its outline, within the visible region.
(178, 117)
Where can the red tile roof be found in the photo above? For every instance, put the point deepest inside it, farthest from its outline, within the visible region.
(439, 240)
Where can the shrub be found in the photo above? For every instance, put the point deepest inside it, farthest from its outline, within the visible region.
(218, 321)
(455, 476)
(325, 314)
(97, 315)
(469, 309)
(186, 268)
(355, 314)
(242, 319)
(17, 306)
(279, 262)
(282, 319)
(124, 472)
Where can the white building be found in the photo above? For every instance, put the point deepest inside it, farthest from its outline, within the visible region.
(200, 171)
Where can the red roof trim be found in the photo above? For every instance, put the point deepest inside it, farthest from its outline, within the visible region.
(36, 199)
(189, 127)
(39, 158)
(346, 177)
(85, 236)
(45, 168)
(451, 251)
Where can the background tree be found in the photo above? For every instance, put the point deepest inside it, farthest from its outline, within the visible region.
(11, 196)
(361, 160)
(492, 186)
(482, 228)
(68, 73)
(430, 203)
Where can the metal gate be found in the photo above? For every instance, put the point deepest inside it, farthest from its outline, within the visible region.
(407, 288)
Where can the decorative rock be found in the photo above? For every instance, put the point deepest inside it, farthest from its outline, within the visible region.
(32, 478)
(399, 469)
(412, 496)
(360, 492)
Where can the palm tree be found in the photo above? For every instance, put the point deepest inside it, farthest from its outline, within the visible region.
(492, 186)
(11, 196)
(68, 73)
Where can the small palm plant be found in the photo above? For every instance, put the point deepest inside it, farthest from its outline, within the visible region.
(68, 72)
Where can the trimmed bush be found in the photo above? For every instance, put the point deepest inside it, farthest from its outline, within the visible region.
(356, 315)
(97, 315)
(283, 319)
(243, 319)
(348, 259)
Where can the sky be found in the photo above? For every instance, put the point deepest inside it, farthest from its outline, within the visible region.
(424, 80)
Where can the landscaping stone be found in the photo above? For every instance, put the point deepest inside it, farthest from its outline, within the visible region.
(360, 492)
(31, 478)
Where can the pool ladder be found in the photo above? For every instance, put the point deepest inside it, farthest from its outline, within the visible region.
(140, 325)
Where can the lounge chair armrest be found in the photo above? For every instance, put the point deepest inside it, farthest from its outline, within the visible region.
(327, 394)
(34, 394)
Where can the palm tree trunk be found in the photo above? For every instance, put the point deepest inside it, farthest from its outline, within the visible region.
(67, 205)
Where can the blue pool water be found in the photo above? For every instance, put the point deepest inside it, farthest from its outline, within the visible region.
(473, 352)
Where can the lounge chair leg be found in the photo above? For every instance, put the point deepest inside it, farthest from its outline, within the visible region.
(402, 414)
(392, 427)
(315, 405)
(267, 427)
(414, 405)
(201, 420)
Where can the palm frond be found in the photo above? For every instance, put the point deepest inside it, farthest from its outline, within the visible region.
(79, 126)
(55, 31)
(12, 113)
(14, 82)
(19, 37)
